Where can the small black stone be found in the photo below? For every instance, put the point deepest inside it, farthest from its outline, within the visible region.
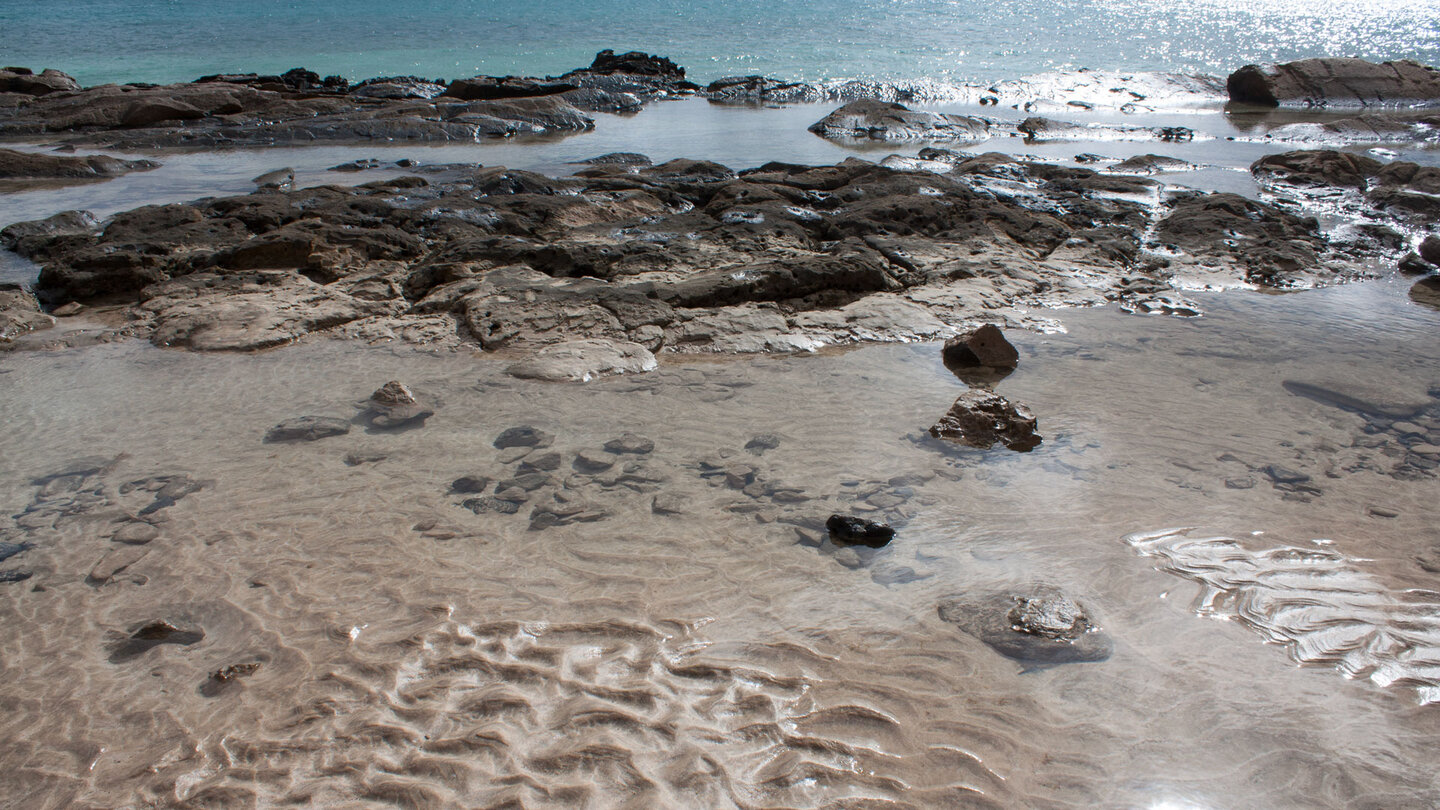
(851, 531)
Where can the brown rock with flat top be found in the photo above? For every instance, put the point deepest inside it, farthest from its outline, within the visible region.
(982, 346)
(981, 418)
(1336, 82)
(24, 80)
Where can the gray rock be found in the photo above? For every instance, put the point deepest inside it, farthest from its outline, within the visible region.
(585, 360)
(764, 441)
(470, 483)
(307, 429)
(135, 533)
(523, 436)
(1034, 626)
(394, 405)
(630, 443)
(591, 463)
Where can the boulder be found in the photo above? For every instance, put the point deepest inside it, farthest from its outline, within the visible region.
(584, 360)
(397, 87)
(983, 346)
(23, 80)
(65, 223)
(846, 530)
(1035, 626)
(635, 63)
(981, 418)
(1429, 249)
(886, 121)
(1336, 82)
(1319, 167)
(756, 89)
(489, 88)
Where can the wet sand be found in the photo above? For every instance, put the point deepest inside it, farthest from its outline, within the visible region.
(414, 653)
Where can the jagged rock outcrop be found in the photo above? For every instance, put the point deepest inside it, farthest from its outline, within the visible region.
(1336, 82)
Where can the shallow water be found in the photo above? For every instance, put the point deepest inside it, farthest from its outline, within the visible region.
(955, 40)
(414, 653)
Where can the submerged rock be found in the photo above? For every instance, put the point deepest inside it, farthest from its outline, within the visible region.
(981, 418)
(523, 436)
(307, 429)
(848, 530)
(1335, 81)
(887, 121)
(151, 635)
(630, 443)
(1039, 625)
(394, 405)
(584, 360)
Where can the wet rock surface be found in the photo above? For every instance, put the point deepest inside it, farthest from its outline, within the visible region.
(394, 406)
(981, 419)
(23, 169)
(1335, 82)
(307, 429)
(685, 256)
(151, 635)
(983, 347)
(1035, 626)
(850, 530)
(20, 313)
(888, 121)
(1398, 191)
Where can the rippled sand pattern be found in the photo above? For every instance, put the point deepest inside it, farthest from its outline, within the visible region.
(1320, 604)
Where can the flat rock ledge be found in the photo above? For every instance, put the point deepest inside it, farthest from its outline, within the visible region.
(1336, 82)
(584, 360)
(684, 256)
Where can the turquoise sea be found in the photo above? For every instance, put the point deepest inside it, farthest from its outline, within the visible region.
(949, 40)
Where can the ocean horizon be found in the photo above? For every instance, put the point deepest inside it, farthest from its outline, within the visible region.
(103, 41)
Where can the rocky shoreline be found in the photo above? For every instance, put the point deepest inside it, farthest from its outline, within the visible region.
(595, 272)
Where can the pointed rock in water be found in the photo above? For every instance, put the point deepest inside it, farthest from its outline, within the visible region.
(394, 405)
(152, 635)
(1040, 625)
(982, 346)
(980, 418)
(307, 429)
(849, 531)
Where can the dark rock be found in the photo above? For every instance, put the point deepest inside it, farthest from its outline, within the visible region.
(279, 180)
(539, 462)
(619, 159)
(151, 635)
(757, 89)
(20, 313)
(980, 418)
(470, 483)
(490, 88)
(759, 444)
(307, 429)
(225, 677)
(984, 346)
(1430, 249)
(1036, 626)
(37, 166)
(357, 457)
(630, 443)
(528, 482)
(1319, 167)
(397, 87)
(8, 550)
(849, 531)
(1335, 82)
(1283, 475)
(1412, 265)
(65, 223)
(669, 504)
(884, 121)
(635, 63)
(1426, 292)
(523, 436)
(14, 575)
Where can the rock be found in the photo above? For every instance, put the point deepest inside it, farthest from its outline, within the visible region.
(135, 533)
(35, 166)
(1430, 249)
(397, 87)
(759, 444)
(23, 80)
(847, 530)
(1038, 129)
(883, 121)
(665, 504)
(14, 575)
(1426, 293)
(394, 405)
(1412, 265)
(980, 418)
(523, 436)
(490, 88)
(619, 159)
(483, 505)
(591, 463)
(8, 550)
(470, 483)
(1035, 626)
(280, 180)
(68, 310)
(307, 429)
(630, 443)
(1150, 164)
(20, 313)
(757, 89)
(584, 360)
(151, 635)
(228, 676)
(635, 63)
(1320, 167)
(1335, 82)
(539, 462)
(65, 223)
(983, 346)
